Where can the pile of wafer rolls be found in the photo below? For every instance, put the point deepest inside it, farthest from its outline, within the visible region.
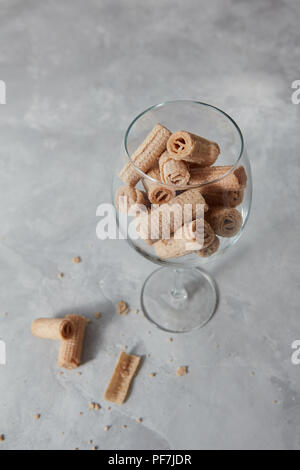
(69, 331)
(179, 171)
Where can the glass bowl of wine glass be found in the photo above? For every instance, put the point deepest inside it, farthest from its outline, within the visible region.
(182, 191)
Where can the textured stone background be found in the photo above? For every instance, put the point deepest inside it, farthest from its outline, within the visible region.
(77, 72)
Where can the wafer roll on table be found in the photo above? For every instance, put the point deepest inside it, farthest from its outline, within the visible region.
(226, 222)
(210, 249)
(127, 196)
(175, 172)
(70, 350)
(192, 148)
(157, 193)
(52, 328)
(146, 154)
(162, 221)
(123, 374)
(187, 239)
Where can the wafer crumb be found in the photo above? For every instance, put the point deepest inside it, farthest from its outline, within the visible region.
(60, 372)
(60, 275)
(137, 311)
(37, 416)
(79, 373)
(275, 402)
(95, 448)
(106, 428)
(2, 437)
(76, 448)
(97, 315)
(252, 373)
(148, 355)
(122, 308)
(92, 405)
(109, 408)
(139, 420)
(88, 321)
(97, 406)
(182, 370)
(90, 442)
(124, 426)
(171, 340)
(80, 413)
(152, 374)
(76, 259)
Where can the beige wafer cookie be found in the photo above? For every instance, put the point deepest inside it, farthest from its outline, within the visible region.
(52, 328)
(209, 250)
(162, 221)
(157, 193)
(123, 375)
(187, 239)
(223, 198)
(192, 148)
(146, 154)
(235, 181)
(70, 350)
(226, 222)
(127, 196)
(172, 171)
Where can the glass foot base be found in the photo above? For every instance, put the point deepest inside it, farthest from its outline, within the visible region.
(179, 301)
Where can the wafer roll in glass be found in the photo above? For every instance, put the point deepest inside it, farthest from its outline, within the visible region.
(234, 181)
(210, 249)
(70, 350)
(223, 198)
(127, 196)
(226, 222)
(157, 193)
(192, 148)
(175, 172)
(52, 328)
(193, 236)
(146, 154)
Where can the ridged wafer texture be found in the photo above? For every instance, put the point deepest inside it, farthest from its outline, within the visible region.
(172, 171)
(52, 328)
(192, 148)
(127, 196)
(223, 198)
(226, 222)
(157, 193)
(70, 350)
(234, 181)
(146, 154)
(164, 220)
(211, 249)
(123, 374)
(193, 236)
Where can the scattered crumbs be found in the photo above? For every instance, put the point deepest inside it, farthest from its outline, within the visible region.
(106, 428)
(171, 340)
(275, 402)
(97, 406)
(152, 374)
(95, 448)
(137, 311)
(124, 426)
(92, 405)
(2, 437)
(122, 308)
(37, 416)
(76, 259)
(182, 370)
(97, 315)
(90, 442)
(60, 275)
(139, 420)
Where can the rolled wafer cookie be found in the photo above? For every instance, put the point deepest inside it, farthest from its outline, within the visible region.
(122, 377)
(172, 171)
(146, 154)
(192, 148)
(187, 239)
(234, 181)
(157, 193)
(127, 196)
(223, 198)
(162, 221)
(226, 222)
(70, 350)
(209, 250)
(52, 328)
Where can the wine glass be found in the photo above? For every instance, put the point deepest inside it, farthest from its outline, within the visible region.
(180, 295)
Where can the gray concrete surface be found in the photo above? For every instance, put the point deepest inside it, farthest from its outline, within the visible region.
(77, 72)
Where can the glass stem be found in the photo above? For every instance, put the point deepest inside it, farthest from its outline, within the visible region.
(178, 292)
